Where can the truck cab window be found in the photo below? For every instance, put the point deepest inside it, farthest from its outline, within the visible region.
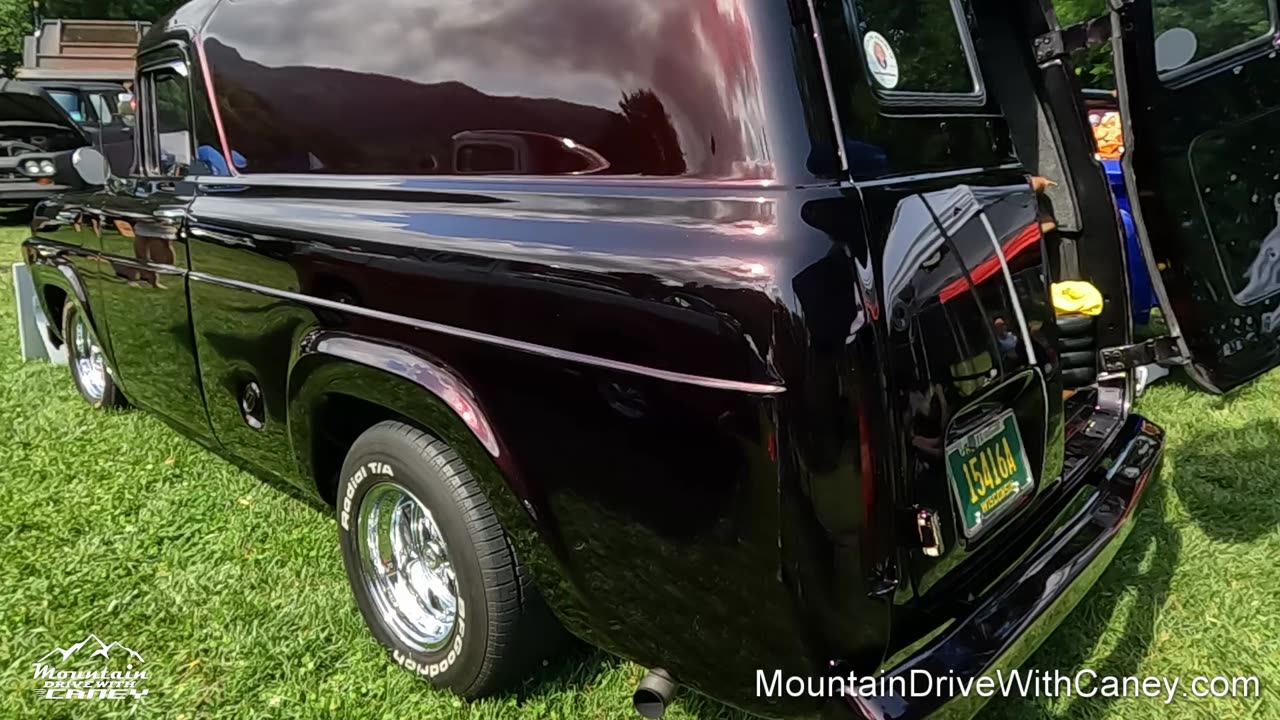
(1208, 28)
(169, 100)
(72, 103)
(918, 47)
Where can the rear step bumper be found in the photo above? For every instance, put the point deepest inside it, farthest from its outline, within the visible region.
(1018, 614)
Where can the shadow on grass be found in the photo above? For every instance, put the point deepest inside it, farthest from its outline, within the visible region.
(571, 669)
(1143, 569)
(1179, 378)
(1228, 481)
(580, 667)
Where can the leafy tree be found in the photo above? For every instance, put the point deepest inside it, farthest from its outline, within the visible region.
(109, 9)
(16, 17)
(1095, 66)
(15, 22)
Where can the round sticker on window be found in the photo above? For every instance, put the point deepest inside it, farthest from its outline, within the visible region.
(881, 59)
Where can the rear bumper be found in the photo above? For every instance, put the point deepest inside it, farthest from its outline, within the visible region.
(26, 192)
(1018, 614)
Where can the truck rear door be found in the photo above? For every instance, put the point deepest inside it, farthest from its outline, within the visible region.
(1200, 91)
(960, 274)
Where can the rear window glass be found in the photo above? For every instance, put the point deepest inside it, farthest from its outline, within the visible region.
(1189, 31)
(916, 47)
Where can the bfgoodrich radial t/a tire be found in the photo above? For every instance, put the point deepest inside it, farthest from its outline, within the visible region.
(88, 364)
(432, 570)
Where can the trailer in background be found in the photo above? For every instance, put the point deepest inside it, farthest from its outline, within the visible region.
(99, 50)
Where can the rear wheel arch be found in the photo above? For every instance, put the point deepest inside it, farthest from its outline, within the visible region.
(342, 384)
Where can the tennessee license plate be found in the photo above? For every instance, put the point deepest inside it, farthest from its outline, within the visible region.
(988, 472)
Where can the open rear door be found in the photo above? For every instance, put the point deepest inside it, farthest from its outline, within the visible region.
(1200, 93)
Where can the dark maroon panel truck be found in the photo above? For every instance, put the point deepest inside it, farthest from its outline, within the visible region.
(716, 334)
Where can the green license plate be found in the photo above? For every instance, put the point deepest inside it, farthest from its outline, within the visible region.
(988, 472)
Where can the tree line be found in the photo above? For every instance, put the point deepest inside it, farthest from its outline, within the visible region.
(17, 18)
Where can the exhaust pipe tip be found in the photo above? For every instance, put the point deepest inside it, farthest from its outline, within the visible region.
(654, 693)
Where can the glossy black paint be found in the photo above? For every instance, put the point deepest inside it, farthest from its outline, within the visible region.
(1019, 613)
(707, 397)
(142, 282)
(667, 459)
(662, 87)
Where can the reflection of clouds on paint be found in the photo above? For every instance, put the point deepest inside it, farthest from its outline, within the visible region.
(352, 37)
(1264, 272)
(550, 236)
(697, 57)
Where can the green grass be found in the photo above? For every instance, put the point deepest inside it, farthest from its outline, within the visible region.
(113, 524)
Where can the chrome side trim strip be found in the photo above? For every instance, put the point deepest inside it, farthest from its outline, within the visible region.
(1013, 290)
(519, 345)
(908, 179)
(826, 81)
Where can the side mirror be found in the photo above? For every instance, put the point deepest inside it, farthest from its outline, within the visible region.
(90, 167)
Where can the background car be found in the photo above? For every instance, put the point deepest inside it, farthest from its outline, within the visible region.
(33, 129)
(104, 110)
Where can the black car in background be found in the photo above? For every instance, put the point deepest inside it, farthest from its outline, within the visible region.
(104, 110)
(34, 131)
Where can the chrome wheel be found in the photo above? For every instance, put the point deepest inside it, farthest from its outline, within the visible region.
(406, 568)
(89, 366)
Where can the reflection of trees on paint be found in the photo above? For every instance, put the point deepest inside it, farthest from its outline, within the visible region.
(329, 120)
(926, 40)
(650, 126)
(172, 105)
(1218, 24)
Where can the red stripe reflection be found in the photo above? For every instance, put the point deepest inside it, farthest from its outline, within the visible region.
(1023, 240)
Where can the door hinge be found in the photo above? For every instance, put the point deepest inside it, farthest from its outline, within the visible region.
(1156, 351)
(1061, 43)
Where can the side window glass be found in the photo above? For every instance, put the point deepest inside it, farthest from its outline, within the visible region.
(916, 47)
(169, 114)
(102, 106)
(1189, 31)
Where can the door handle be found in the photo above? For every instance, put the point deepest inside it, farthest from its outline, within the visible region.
(170, 213)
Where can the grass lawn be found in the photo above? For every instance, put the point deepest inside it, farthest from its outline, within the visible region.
(110, 523)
